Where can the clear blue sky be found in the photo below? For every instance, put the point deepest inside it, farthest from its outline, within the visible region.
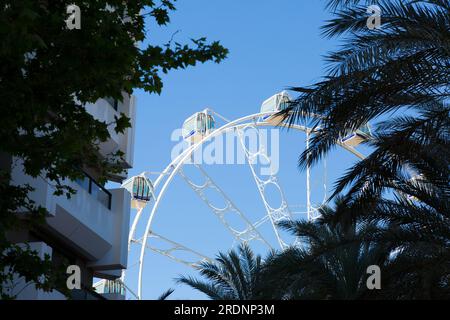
(273, 44)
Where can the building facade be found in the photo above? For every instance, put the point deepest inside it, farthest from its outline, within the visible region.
(89, 230)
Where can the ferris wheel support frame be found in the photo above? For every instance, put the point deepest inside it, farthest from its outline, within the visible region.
(275, 214)
(245, 236)
(175, 246)
(308, 179)
(172, 169)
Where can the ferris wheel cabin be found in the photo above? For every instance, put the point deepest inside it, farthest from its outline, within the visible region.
(274, 104)
(197, 126)
(417, 180)
(141, 190)
(364, 133)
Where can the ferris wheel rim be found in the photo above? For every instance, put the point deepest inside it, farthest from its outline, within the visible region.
(174, 167)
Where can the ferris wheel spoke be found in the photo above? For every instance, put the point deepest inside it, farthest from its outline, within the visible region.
(249, 233)
(263, 220)
(173, 249)
(275, 215)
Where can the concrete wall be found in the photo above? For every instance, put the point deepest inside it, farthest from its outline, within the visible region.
(116, 257)
(103, 111)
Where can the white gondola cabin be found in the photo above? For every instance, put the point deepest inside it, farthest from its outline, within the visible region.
(141, 190)
(197, 126)
(276, 103)
(362, 134)
(418, 181)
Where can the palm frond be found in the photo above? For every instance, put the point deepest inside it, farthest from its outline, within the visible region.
(166, 294)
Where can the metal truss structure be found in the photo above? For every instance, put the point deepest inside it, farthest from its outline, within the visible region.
(172, 249)
(249, 233)
(275, 215)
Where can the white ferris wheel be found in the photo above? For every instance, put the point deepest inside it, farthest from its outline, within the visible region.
(198, 130)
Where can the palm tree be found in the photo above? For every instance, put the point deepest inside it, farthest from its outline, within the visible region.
(332, 262)
(405, 65)
(419, 269)
(417, 216)
(402, 68)
(166, 294)
(233, 276)
(400, 73)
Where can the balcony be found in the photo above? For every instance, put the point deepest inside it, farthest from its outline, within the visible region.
(93, 222)
(105, 110)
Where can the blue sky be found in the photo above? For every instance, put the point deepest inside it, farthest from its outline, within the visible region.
(273, 45)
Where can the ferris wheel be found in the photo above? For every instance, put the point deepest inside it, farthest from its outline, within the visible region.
(198, 130)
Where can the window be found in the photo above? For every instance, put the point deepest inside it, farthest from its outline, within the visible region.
(201, 123)
(211, 124)
(365, 129)
(284, 103)
(101, 194)
(141, 189)
(269, 105)
(189, 127)
(96, 190)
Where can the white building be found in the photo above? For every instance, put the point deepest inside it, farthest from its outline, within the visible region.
(90, 229)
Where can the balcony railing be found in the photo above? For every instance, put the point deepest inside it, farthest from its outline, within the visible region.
(96, 190)
(114, 287)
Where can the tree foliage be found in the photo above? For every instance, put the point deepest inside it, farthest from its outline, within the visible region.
(236, 275)
(332, 261)
(47, 74)
(397, 76)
